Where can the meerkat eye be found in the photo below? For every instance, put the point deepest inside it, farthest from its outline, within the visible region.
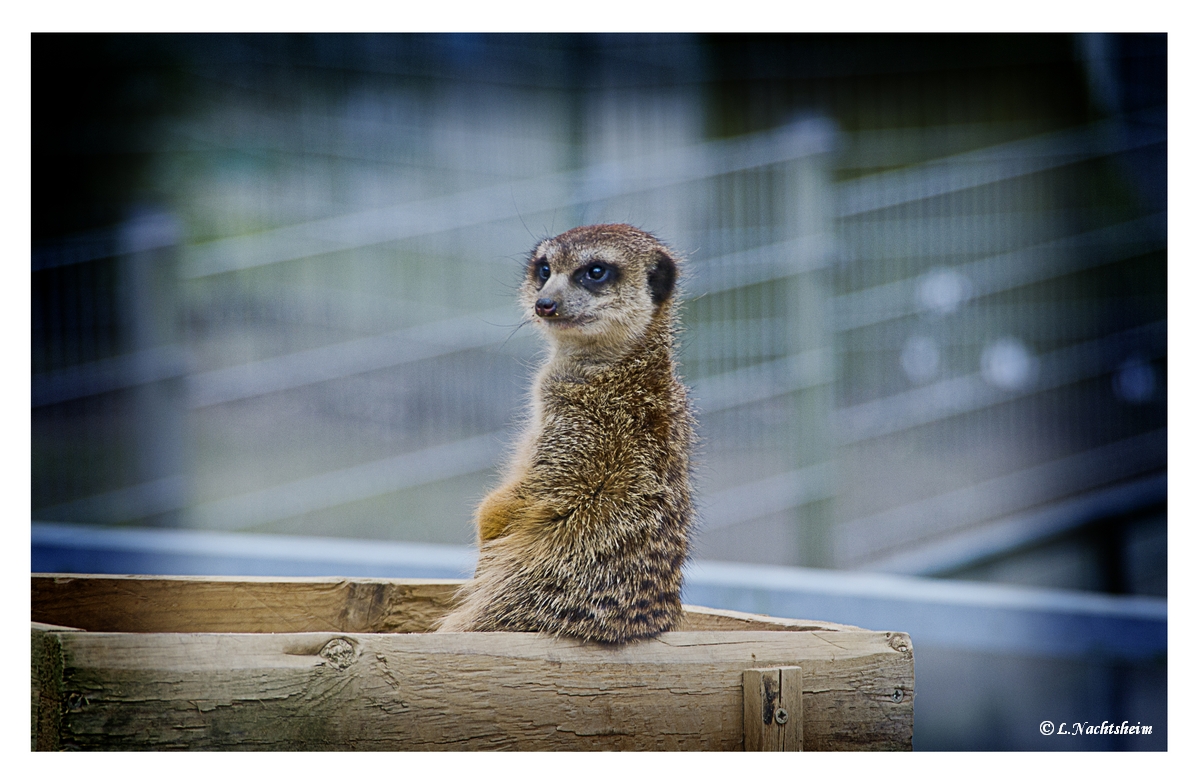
(597, 272)
(543, 271)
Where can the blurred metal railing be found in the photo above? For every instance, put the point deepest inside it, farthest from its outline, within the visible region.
(767, 257)
(957, 347)
(777, 313)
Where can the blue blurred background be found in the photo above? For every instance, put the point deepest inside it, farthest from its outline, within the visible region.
(925, 322)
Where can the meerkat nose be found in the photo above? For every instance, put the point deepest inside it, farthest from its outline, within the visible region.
(546, 307)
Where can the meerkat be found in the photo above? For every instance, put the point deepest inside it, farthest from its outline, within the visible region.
(587, 535)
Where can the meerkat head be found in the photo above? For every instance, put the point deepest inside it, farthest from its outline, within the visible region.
(598, 287)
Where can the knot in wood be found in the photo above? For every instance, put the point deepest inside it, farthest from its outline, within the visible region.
(338, 653)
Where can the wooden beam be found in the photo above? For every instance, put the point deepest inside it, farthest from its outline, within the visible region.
(487, 690)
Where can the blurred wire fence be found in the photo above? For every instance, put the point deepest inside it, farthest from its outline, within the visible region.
(915, 350)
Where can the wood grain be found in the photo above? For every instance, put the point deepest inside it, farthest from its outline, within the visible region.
(318, 691)
(791, 698)
(773, 709)
(148, 603)
(47, 698)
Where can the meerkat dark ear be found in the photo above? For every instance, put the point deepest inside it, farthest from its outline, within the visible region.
(662, 278)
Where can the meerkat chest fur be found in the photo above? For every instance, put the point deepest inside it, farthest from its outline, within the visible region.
(587, 535)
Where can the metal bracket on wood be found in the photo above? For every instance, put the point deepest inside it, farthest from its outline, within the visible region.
(773, 709)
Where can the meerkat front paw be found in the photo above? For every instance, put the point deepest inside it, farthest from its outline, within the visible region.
(496, 514)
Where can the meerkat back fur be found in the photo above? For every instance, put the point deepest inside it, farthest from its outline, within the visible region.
(587, 535)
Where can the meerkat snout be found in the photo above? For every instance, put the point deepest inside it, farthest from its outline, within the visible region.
(545, 307)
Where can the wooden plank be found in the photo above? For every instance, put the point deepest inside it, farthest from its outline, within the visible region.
(791, 687)
(760, 687)
(709, 619)
(151, 603)
(319, 691)
(773, 709)
(155, 603)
